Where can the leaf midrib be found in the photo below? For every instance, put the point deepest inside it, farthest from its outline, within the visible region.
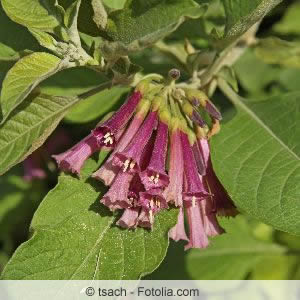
(41, 122)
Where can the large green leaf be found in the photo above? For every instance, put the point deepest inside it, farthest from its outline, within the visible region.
(24, 76)
(241, 15)
(74, 237)
(232, 255)
(29, 125)
(257, 158)
(33, 13)
(142, 23)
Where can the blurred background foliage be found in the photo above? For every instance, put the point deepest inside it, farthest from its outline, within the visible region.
(251, 250)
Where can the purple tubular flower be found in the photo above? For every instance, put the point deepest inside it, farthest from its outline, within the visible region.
(203, 147)
(108, 171)
(105, 133)
(155, 176)
(129, 218)
(135, 188)
(117, 195)
(73, 159)
(194, 189)
(178, 231)
(199, 159)
(173, 192)
(212, 110)
(145, 219)
(153, 202)
(222, 203)
(196, 118)
(129, 159)
(197, 235)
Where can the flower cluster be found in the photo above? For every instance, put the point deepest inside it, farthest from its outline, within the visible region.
(160, 157)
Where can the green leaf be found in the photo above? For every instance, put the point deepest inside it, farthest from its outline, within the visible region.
(96, 106)
(70, 20)
(36, 14)
(228, 74)
(13, 189)
(114, 4)
(141, 23)
(74, 237)
(45, 39)
(257, 158)
(24, 76)
(19, 199)
(241, 15)
(290, 23)
(18, 38)
(230, 256)
(276, 51)
(254, 75)
(275, 267)
(78, 80)
(29, 125)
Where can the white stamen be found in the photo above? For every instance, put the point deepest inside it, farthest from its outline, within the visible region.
(151, 203)
(151, 179)
(151, 216)
(193, 201)
(132, 165)
(108, 140)
(156, 178)
(158, 203)
(126, 165)
(107, 135)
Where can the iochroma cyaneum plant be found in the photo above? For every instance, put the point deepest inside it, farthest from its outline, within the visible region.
(127, 125)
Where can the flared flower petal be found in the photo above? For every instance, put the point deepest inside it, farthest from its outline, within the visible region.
(197, 235)
(194, 189)
(155, 176)
(105, 133)
(178, 231)
(221, 202)
(129, 218)
(73, 159)
(173, 192)
(130, 159)
(153, 200)
(210, 222)
(136, 187)
(117, 195)
(145, 219)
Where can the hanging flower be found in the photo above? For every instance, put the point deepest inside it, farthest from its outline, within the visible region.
(160, 158)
